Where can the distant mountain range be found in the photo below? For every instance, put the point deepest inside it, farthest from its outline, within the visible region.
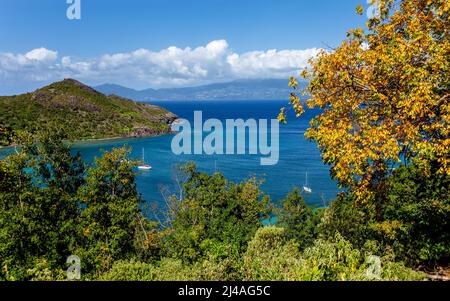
(263, 89)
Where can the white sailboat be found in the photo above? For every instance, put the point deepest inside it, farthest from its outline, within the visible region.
(144, 166)
(306, 188)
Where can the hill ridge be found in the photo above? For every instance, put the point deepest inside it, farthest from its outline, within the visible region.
(83, 112)
(244, 89)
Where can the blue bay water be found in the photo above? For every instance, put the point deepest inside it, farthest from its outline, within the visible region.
(297, 155)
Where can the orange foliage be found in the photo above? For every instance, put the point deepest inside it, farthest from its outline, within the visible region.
(385, 95)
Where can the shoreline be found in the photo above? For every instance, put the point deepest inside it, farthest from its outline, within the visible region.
(89, 141)
(86, 141)
(106, 139)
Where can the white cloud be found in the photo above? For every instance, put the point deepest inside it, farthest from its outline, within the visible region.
(169, 67)
(39, 56)
(271, 63)
(42, 55)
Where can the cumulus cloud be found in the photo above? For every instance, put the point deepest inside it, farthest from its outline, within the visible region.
(37, 65)
(41, 55)
(271, 63)
(169, 67)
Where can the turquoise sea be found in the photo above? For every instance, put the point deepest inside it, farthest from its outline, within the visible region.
(297, 155)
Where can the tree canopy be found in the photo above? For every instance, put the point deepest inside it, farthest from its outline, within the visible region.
(384, 94)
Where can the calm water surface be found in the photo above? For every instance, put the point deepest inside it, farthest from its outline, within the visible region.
(297, 155)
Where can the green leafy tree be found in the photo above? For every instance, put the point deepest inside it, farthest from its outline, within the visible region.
(416, 217)
(385, 96)
(347, 218)
(215, 217)
(38, 206)
(6, 135)
(413, 218)
(298, 219)
(111, 214)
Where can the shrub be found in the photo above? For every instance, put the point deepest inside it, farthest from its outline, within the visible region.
(130, 271)
(270, 257)
(330, 260)
(166, 270)
(43, 272)
(338, 260)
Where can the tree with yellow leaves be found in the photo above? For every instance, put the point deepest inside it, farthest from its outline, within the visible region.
(384, 94)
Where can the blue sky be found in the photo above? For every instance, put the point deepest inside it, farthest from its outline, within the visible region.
(128, 42)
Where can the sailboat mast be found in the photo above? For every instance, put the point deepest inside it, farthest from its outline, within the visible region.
(306, 188)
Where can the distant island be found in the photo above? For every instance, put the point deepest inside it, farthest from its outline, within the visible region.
(249, 89)
(83, 112)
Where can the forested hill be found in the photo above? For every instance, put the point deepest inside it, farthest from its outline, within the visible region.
(82, 112)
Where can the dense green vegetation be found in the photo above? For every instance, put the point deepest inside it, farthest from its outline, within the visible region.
(81, 111)
(53, 205)
(386, 143)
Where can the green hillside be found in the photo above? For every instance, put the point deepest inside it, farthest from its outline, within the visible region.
(83, 112)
